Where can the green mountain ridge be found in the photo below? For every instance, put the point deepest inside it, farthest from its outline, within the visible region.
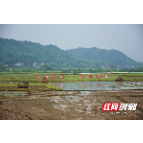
(13, 51)
(110, 56)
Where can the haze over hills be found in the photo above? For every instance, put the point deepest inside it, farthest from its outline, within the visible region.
(13, 51)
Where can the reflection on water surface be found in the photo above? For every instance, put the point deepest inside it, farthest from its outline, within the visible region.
(98, 85)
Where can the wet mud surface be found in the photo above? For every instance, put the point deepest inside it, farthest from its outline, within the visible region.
(68, 105)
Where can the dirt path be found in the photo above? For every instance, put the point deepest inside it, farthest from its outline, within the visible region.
(70, 105)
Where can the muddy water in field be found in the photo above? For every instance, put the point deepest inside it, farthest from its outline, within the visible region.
(78, 103)
(12, 93)
(98, 85)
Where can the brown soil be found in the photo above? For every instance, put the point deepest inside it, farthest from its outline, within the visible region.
(69, 105)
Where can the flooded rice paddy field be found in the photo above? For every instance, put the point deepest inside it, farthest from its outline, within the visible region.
(68, 105)
(98, 85)
(76, 86)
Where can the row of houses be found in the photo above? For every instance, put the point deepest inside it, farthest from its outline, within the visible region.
(22, 64)
(17, 64)
(39, 64)
(35, 64)
(117, 67)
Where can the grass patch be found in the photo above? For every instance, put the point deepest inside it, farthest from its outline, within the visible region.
(1, 102)
(7, 84)
(32, 87)
(139, 85)
(114, 86)
(118, 95)
(62, 95)
(3, 97)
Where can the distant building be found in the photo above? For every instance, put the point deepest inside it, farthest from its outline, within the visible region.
(60, 64)
(64, 63)
(132, 67)
(19, 64)
(118, 67)
(103, 67)
(81, 63)
(42, 64)
(35, 64)
(107, 66)
(127, 66)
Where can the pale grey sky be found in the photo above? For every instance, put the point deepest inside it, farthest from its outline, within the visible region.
(127, 38)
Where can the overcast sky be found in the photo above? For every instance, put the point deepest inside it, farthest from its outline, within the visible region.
(127, 38)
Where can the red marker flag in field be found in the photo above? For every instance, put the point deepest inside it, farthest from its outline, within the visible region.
(54, 84)
(82, 76)
(46, 76)
(61, 85)
(106, 76)
(61, 76)
(91, 85)
(98, 85)
(98, 76)
(90, 76)
(38, 76)
(54, 76)
(106, 85)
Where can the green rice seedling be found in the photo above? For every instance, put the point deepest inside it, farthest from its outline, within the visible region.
(1, 102)
(62, 95)
(118, 95)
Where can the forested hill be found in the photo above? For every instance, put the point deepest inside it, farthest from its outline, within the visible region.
(109, 56)
(12, 51)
